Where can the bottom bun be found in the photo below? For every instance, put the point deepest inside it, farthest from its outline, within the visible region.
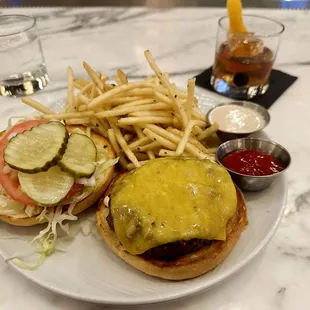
(101, 185)
(188, 266)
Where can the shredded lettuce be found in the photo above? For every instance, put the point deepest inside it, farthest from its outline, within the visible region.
(48, 236)
(14, 206)
(3, 201)
(47, 249)
(88, 131)
(85, 192)
(42, 215)
(106, 164)
(19, 120)
(21, 264)
(86, 227)
(102, 165)
(7, 169)
(70, 209)
(13, 134)
(33, 210)
(91, 182)
(78, 130)
(10, 207)
(88, 181)
(55, 217)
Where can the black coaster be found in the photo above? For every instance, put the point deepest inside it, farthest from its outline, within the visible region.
(279, 83)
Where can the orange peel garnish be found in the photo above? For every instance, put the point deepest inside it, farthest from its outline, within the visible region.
(234, 8)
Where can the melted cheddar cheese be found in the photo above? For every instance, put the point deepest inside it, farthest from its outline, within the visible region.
(172, 199)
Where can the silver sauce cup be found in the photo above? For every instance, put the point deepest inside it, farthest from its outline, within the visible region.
(229, 135)
(254, 183)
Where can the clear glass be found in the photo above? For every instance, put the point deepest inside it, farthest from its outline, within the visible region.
(243, 61)
(22, 65)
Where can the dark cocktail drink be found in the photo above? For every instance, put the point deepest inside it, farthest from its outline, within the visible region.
(243, 61)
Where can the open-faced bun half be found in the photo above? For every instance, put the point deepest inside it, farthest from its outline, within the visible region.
(102, 183)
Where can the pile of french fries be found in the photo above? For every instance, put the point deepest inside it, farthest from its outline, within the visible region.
(142, 120)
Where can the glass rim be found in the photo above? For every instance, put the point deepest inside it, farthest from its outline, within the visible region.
(256, 16)
(33, 24)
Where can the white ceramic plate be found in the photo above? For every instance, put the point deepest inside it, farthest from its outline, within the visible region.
(89, 271)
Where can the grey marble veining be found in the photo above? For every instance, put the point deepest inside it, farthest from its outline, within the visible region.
(183, 42)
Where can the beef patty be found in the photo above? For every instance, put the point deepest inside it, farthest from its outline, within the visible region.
(170, 251)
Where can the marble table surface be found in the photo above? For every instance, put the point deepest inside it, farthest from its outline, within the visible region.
(183, 42)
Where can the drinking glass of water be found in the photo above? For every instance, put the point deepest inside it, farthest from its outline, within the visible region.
(22, 65)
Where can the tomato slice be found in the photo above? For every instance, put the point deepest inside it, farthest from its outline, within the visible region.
(9, 182)
(74, 190)
(19, 128)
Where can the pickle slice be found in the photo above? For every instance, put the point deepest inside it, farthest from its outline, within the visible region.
(37, 149)
(80, 155)
(46, 188)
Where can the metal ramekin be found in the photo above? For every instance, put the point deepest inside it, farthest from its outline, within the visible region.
(253, 183)
(228, 135)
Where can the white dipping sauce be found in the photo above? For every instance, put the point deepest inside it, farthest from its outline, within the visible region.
(236, 119)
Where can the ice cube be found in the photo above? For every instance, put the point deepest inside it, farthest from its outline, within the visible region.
(245, 44)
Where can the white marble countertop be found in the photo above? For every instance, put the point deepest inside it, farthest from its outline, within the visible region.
(183, 42)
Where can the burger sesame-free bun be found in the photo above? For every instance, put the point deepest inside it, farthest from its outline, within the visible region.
(101, 185)
(188, 266)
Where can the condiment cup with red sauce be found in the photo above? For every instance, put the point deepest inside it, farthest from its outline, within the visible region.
(253, 163)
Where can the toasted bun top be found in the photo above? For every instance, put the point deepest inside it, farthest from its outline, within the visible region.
(102, 182)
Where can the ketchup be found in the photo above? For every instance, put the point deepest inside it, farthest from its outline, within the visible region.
(252, 162)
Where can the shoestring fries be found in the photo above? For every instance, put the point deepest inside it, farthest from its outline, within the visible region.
(38, 106)
(143, 120)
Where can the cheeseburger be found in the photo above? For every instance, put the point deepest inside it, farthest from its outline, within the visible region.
(173, 218)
